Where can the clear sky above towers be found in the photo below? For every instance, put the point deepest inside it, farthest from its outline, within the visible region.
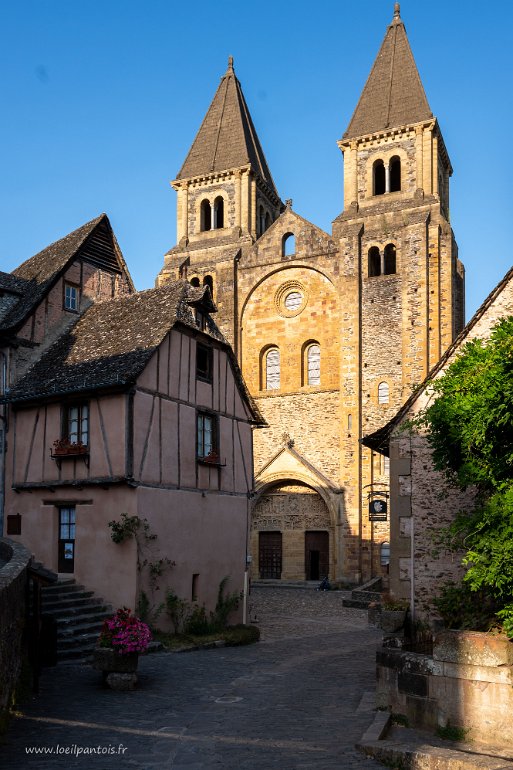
(101, 101)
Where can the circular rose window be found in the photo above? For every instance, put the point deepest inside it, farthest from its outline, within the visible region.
(291, 299)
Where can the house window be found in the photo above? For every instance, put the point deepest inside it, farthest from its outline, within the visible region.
(205, 215)
(395, 174)
(218, 213)
(272, 369)
(204, 360)
(288, 245)
(71, 296)
(14, 524)
(76, 426)
(374, 264)
(389, 258)
(378, 178)
(206, 446)
(383, 393)
(313, 364)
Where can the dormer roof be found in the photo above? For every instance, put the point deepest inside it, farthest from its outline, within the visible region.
(393, 95)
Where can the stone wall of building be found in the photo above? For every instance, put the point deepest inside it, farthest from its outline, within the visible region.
(467, 683)
(14, 561)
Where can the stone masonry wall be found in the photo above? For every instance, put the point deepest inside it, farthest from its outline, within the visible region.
(13, 582)
(467, 683)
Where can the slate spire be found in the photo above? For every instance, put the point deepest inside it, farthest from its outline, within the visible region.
(227, 137)
(393, 94)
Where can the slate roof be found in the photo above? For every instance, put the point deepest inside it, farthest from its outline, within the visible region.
(227, 137)
(35, 277)
(379, 440)
(111, 343)
(10, 283)
(393, 94)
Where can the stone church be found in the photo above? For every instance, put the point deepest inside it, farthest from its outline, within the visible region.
(332, 331)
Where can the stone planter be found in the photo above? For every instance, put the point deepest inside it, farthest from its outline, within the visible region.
(392, 620)
(119, 671)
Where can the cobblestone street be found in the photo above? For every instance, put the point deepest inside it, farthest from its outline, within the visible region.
(298, 699)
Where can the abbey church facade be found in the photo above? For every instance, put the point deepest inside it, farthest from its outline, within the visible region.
(332, 330)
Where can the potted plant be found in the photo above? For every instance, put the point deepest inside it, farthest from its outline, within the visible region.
(393, 613)
(63, 446)
(121, 640)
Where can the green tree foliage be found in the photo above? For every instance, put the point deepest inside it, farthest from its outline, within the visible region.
(470, 430)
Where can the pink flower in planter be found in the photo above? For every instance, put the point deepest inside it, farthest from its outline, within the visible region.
(125, 633)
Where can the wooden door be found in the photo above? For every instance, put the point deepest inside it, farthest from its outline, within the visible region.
(317, 555)
(269, 555)
(66, 539)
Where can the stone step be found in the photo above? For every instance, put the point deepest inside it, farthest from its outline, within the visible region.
(86, 608)
(68, 600)
(356, 604)
(87, 639)
(62, 586)
(83, 625)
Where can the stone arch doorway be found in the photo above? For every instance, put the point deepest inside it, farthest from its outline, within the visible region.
(291, 534)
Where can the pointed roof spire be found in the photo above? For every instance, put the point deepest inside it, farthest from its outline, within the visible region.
(393, 94)
(227, 137)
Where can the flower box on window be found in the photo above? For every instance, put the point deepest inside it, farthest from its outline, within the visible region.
(212, 459)
(63, 447)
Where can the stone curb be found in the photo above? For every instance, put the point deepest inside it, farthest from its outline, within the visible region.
(378, 729)
(425, 757)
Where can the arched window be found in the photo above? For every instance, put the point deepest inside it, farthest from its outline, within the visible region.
(208, 281)
(384, 554)
(395, 174)
(288, 245)
(313, 364)
(267, 220)
(378, 178)
(206, 216)
(261, 220)
(374, 262)
(390, 259)
(383, 393)
(218, 213)
(272, 369)
(195, 281)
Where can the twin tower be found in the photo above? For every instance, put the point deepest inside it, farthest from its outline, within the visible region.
(332, 332)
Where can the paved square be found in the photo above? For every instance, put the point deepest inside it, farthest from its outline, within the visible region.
(298, 699)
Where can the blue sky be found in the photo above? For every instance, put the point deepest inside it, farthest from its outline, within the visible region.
(102, 99)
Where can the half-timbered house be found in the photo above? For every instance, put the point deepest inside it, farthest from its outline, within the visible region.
(44, 296)
(139, 408)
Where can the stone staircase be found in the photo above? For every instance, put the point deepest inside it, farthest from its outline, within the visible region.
(79, 615)
(362, 596)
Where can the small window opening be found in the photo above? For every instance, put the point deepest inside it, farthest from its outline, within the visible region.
(395, 174)
(71, 295)
(195, 282)
(390, 259)
(288, 245)
(194, 589)
(14, 524)
(374, 262)
(204, 360)
(209, 281)
(378, 181)
(218, 213)
(349, 423)
(267, 221)
(383, 393)
(272, 369)
(206, 216)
